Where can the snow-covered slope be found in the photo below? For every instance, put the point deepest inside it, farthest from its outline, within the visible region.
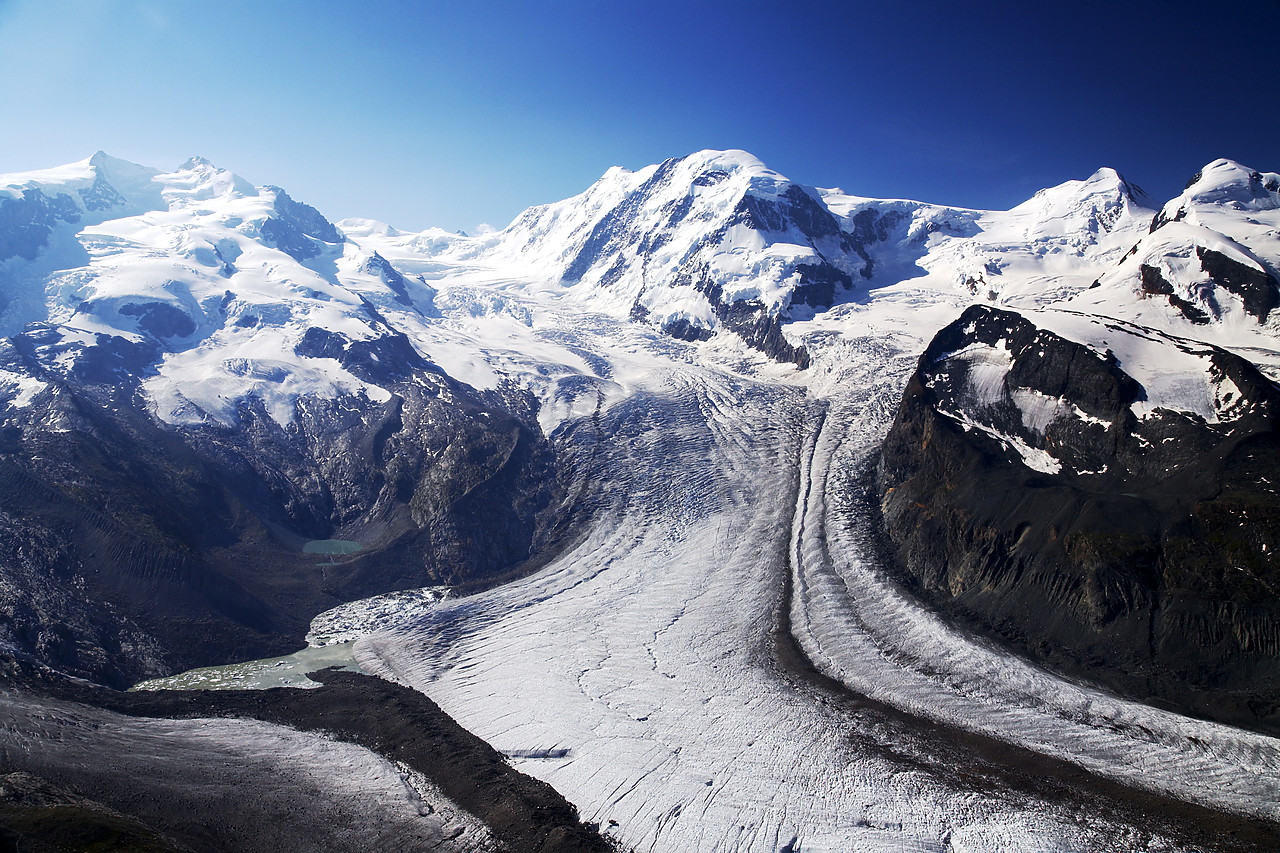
(1210, 260)
(1050, 246)
(210, 283)
(715, 240)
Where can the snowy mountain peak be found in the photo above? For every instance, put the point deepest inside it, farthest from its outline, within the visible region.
(98, 183)
(198, 180)
(196, 162)
(1228, 182)
(1088, 207)
(134, 183)
(1209, 258)
(1110, 178)
(731, 162)
(690, 245)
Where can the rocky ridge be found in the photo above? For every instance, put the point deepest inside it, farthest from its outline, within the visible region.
(1034, 488)
(179, 423)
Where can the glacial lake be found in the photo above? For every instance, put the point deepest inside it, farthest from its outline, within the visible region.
(331, 546)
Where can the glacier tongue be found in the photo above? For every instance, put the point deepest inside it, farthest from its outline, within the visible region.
(184, 773)
(639, 672)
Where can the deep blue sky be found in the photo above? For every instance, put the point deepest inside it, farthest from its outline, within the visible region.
(453, 114)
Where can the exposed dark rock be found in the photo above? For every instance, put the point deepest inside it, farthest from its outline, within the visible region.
(819, 284)
(1155, 284)
(226, 255)
(36, 817)
(113, 360)
(380, 266)
(294, 223)
(1161, 219)
(683, 330)
(26, 222)
(379, 360)
(100, 195)
(305, 218)
(1258, 288)
(796, 208)
(870, 228)
(148, 548)
(1148, 562)
(615, 229)
(752, 321)
(160, 319)
(1190, 311)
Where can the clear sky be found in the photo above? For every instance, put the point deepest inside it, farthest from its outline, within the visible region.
(454, 114)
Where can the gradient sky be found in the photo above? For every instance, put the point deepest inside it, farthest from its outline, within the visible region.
(454, 114)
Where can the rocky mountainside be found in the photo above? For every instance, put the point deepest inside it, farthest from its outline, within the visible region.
(1097, 483)
(222, 413)
(1025, 494)
(198, 382)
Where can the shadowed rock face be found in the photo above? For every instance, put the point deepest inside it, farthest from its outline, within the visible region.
(1145, 561)
(35, 815)
(160, 320)
(1258, 289)
(130, 547)
(26, 222)
(294, 223)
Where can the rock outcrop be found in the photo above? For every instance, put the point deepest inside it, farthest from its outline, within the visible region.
(1031, 489)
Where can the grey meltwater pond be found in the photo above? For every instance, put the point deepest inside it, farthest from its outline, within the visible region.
(284, 671)
(330, 642)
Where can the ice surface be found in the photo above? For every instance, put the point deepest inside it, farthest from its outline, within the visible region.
(643, 655)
